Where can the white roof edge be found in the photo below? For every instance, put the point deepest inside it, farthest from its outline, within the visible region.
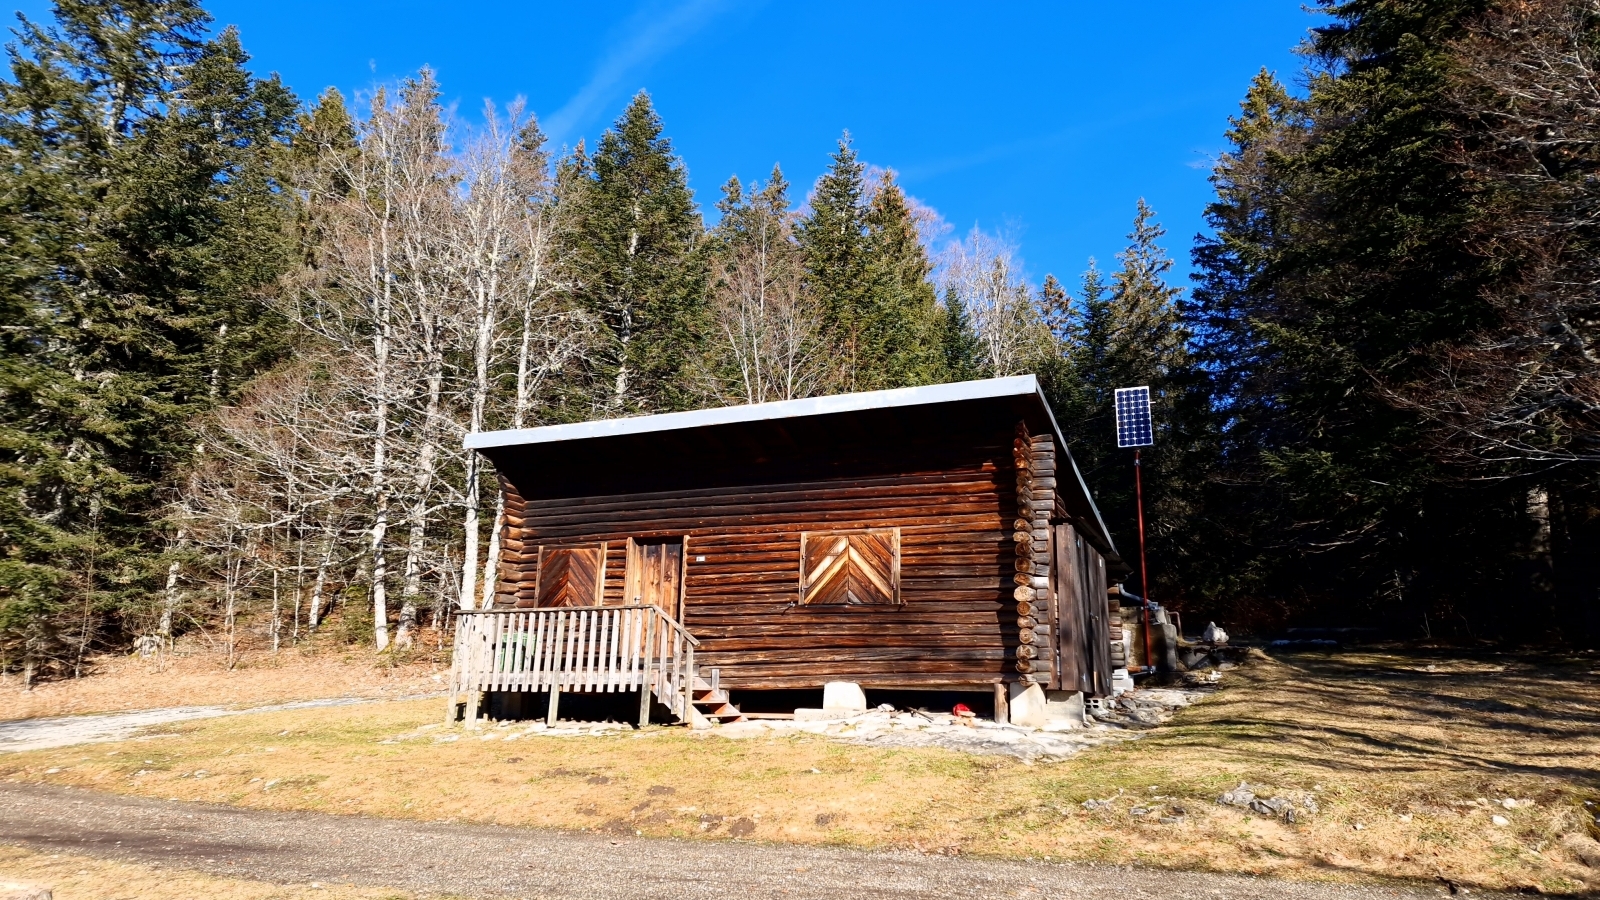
(1061, 442)
(1015, 385)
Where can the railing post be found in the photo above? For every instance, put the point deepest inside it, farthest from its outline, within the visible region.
(688, 684)
(644, 671)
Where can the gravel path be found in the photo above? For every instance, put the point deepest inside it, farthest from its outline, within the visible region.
(482, 861)
(64, 731)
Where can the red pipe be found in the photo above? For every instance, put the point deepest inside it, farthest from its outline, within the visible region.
(1144, 574)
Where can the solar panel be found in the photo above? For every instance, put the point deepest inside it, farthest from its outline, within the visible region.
(1134, 428)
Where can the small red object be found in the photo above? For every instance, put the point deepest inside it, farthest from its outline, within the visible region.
(961, 709)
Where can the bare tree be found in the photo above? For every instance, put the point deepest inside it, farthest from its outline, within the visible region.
(981, 273)
(769, 331)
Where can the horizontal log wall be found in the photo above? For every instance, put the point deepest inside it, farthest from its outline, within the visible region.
(956, 625)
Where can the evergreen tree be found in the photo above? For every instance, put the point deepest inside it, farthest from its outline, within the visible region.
(634, 241)
(1342, 272)
(962, 356)
(139, 186)
(1126, 333)
(833, 242)
(902, 314)
(869, 271)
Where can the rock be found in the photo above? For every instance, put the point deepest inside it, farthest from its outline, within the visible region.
(1277, 808)
(1171, 820)
(1094, 805)
(22, 890)
(1583, 848)
(1310, 804)
(1502, 821)
(1138, 811)
(1239, 796)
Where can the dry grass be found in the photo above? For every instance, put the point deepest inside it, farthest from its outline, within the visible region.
(127, 682)
(1404, 752)
(87, 878)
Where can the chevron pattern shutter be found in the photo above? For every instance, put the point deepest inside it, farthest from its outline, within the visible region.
(845, 568)
(570, 576)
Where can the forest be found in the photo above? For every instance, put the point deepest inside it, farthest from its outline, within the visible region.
(244, 333)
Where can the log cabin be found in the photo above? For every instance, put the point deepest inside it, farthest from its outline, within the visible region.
(925, 538)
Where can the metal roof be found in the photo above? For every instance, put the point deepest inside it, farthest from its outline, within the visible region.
(1016, 385)
(989, 388)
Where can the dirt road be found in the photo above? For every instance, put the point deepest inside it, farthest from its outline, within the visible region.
(487, 861)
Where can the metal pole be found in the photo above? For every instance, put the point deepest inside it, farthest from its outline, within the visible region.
(1144, 572)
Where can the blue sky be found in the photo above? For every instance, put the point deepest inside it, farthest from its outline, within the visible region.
(1044, 120)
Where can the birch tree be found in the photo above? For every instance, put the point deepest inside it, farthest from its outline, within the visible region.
(981, 274)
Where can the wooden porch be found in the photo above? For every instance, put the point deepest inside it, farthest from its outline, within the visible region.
(593, 649)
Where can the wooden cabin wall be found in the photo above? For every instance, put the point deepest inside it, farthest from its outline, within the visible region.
(954, 502)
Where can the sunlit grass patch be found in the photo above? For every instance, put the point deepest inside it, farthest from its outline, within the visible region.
(1405, 767)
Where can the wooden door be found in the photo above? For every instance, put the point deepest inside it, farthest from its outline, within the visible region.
(655, 574)
(1071, 640)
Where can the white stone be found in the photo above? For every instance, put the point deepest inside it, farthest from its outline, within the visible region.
(844, 695)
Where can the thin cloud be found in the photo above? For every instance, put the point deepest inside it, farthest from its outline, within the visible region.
(649, 36)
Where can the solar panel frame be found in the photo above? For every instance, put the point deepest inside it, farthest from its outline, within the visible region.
(1135, 426)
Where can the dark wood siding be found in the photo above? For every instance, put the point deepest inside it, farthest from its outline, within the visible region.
(952, 497)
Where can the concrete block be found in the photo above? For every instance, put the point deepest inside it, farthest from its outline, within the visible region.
(1027, 703)
(1063, 709)
(1120, 681)
(844, 695)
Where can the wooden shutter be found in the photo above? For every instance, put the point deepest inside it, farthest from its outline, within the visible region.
(570, 576)
(844, 568)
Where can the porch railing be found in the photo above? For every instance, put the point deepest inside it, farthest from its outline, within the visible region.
(582, 648)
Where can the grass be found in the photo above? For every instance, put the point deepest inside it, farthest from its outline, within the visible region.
(205, 678)
(86, 878)
(1402, 758)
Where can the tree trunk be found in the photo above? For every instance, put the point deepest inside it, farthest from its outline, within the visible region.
(169, 602)
(491, 562)
(426, 468)
(314, 615)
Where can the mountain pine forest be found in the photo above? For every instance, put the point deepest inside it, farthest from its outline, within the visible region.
(243, 332)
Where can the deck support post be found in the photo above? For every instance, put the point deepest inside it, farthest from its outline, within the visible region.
(555, 701)
(473, 699)
(1002, 708)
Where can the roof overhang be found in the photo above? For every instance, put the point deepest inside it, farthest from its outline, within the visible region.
(1016, 386)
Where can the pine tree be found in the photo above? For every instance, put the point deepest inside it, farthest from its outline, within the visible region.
(1128, 333)
(903, 312)
(833, 240)
(139, 183)
(867, 268)
(961, 355)
(635, 242)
